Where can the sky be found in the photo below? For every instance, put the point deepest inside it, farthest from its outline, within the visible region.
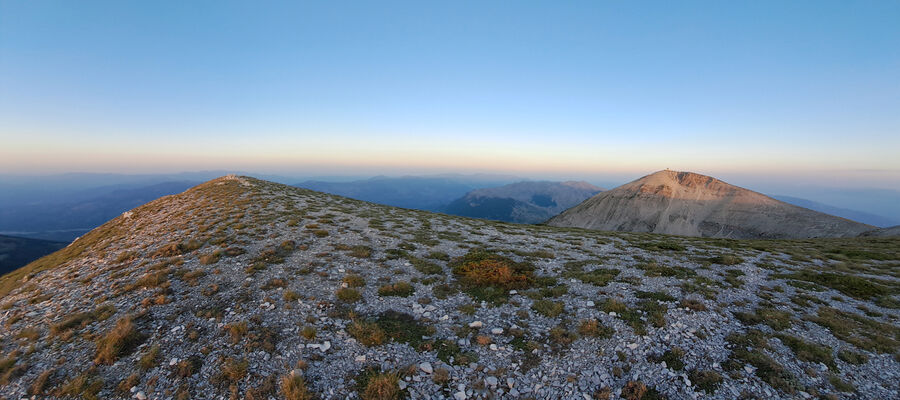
(761, 90)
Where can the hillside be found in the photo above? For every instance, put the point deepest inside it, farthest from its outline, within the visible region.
(15, 252)
(689, 204)
(522, 202)
(243, 288)
(890, 231)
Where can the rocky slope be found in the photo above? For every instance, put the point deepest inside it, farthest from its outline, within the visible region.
(240, 288)
(689, 204)
(522, 202)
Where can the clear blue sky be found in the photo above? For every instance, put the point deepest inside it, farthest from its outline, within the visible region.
(535, 88)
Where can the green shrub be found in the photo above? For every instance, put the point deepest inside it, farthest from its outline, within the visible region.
(726, 259)
(707, 381)
(850, 285)
(775, 319)
(852, 357)
(672, 358)
(548, 308)
(862, 332)
(807, 351)
(349, 295)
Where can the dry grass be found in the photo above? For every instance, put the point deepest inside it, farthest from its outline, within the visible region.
(293, 387)
(634, 390)
(148, 359)
(593, 328)
(348, 295)
(211, 258)
(354, 280)
(85, 386)
(121, 340)
(233, 370)
(81, 320)
(481, 268)
(400, 289)
(367, 333)
(382, 386)
(40, 384)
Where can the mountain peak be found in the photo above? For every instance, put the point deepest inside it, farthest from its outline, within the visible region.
(688, 203)
(683, 178)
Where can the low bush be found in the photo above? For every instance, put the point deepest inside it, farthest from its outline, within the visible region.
(488, 276)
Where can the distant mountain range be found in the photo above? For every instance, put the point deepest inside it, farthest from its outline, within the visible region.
(430, 193)
(858, 216)
(16, 252)
(63, 207)
(522, 202)
(690, 204)
(65, 218)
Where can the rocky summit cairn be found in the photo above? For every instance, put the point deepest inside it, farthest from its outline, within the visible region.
(690, 204)
(242, 288)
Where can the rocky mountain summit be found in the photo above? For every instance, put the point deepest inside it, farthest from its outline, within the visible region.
(690, 204)
(241, 288)
(522, 202)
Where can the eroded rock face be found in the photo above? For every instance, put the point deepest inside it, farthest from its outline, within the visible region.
(241, 288)
(689, 204)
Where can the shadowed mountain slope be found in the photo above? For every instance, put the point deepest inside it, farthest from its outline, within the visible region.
(241, 288)
(689, 204)
(16, 252)
(522, 202)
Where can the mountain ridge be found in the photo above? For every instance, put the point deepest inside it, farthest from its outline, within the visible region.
(244, 288)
